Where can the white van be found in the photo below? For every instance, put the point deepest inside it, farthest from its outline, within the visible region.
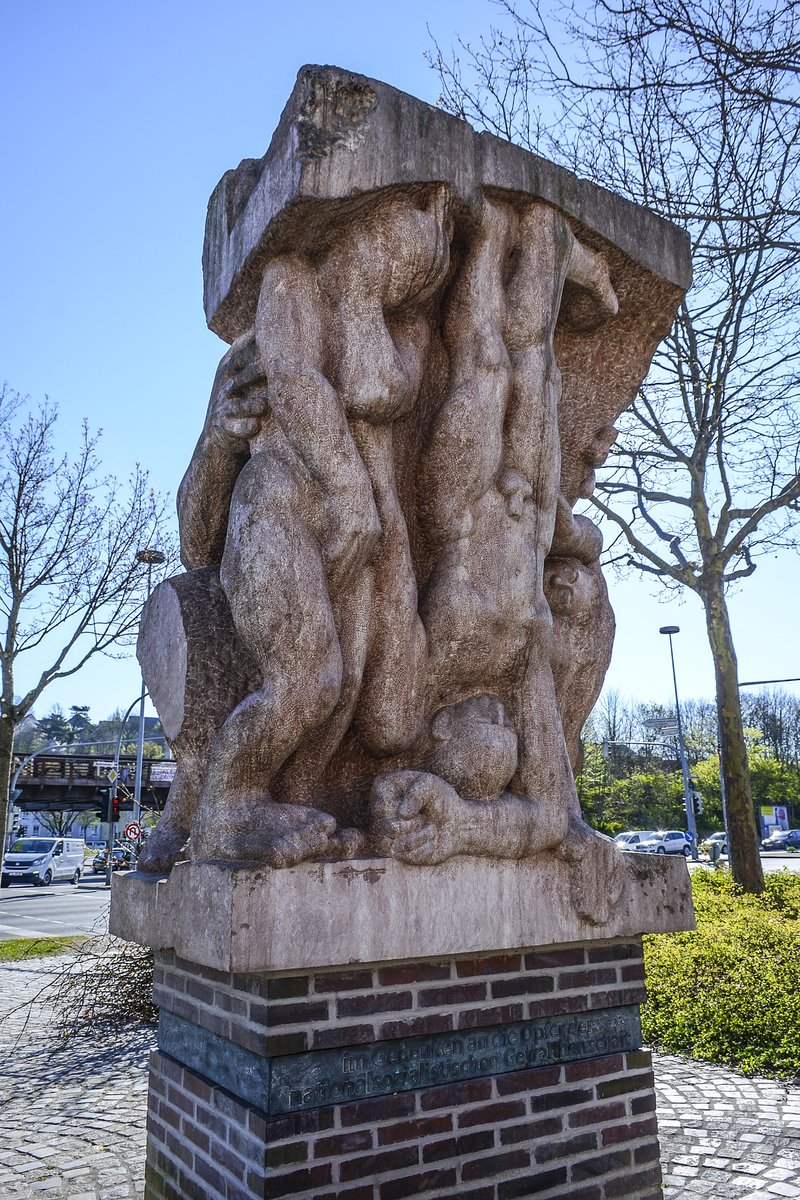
(40, 860)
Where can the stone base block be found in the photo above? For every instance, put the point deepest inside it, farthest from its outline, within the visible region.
(376, 910)
(491, 1077)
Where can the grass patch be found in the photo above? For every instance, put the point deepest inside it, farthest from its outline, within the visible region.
(17, 949)
(730, 992)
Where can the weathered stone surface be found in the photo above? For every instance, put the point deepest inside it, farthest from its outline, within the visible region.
(393, 626)
(368, 911)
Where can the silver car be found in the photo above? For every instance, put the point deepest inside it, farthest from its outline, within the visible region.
(634, 839)
(670, 841)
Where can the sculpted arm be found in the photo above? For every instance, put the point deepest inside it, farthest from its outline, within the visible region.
(290, 339)
(235, 409)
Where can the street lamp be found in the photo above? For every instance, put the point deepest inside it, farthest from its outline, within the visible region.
(691, 824)
(152, 558)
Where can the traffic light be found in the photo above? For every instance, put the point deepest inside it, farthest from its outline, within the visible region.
(115, 806)
(698, 802)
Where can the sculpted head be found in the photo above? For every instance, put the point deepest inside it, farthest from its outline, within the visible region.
(475, 747)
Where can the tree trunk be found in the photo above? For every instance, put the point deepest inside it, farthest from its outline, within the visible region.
(6, 749)
(743, 840)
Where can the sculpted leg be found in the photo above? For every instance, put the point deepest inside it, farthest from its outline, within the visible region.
(274, 579)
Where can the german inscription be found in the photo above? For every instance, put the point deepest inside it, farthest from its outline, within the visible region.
(337, 1076)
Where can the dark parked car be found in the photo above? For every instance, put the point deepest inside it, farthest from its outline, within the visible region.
(782, 839)
(119, 858)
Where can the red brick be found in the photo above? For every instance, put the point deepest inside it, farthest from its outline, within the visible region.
(454, 1095)
(413, 973)
(314, 1120)
(343, 1143)
(596, 1114)
(582, 979)
(495, 1164)
(531, 1130)
(343, 981)
(629, 1133)
(554, 959)
(642, 1104)
(530, 1185)
(528, 1081)
(554, 1006)
(284, 1043)
(431, 1024)
(397, 1159)
(287, 987)
(458, 1147)
(200, 991)
(635, 1059)
(296, 1181)
(210, 1175)
(380, 1002)
(301, 1013)
(366, 1112)
(417, 1129)
(598, 954)
(603, 1164)
(522, 985)
(396, 1189)
(594, 1068)
(458, 993)
(648, 1153)
(498, 964)
(624, 1084)
(560, 1099)
(569, 1148)
(491, 1114)
(632, 973)
(476, 1018)
(178, 1097)
(223, 1156)
(286, 1154)
(195, 1086)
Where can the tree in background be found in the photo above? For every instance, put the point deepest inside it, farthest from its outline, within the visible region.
(690, 107)
(70, 583)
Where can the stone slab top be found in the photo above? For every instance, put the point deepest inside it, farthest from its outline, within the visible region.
(342, 135)
(317, 915)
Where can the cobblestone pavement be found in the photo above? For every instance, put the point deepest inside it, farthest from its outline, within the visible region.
(72, 1115)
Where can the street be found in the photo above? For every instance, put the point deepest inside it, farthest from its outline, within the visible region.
(57, 911)
(62, 910)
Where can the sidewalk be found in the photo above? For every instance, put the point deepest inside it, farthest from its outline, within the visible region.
(72, 1118)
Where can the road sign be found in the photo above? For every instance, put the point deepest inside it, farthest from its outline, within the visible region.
(112, 776)
(133, 831)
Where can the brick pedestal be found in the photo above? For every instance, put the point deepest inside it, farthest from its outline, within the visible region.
(531, 1080)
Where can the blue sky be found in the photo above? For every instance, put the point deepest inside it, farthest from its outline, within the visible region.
(118, 121)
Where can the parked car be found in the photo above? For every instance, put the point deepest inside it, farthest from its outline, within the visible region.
(634, 838)
(119, 858)
(721, 840)
(782, 839)
(40, 860)
(670, 841)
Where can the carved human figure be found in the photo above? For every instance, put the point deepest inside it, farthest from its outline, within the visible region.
(292, 485)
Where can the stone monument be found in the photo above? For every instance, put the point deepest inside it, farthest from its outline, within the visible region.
(372, 895)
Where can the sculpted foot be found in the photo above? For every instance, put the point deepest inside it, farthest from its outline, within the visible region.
(165, 846)
(255, 829)
(598, 872)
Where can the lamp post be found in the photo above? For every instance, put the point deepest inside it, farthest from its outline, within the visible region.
(151, 557)
(691, 824)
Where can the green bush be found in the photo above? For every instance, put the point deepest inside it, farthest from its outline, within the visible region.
(730, 992)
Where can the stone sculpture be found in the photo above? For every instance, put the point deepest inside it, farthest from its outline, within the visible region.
(392, 625)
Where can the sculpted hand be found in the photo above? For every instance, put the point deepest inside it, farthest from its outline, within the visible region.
(239, 396)
(416, 817)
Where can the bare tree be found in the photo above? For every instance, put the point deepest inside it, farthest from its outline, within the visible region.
(70, 583)
(691, 108)
(58, 822)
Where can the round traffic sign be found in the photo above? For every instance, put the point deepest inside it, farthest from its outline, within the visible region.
(133, 831)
